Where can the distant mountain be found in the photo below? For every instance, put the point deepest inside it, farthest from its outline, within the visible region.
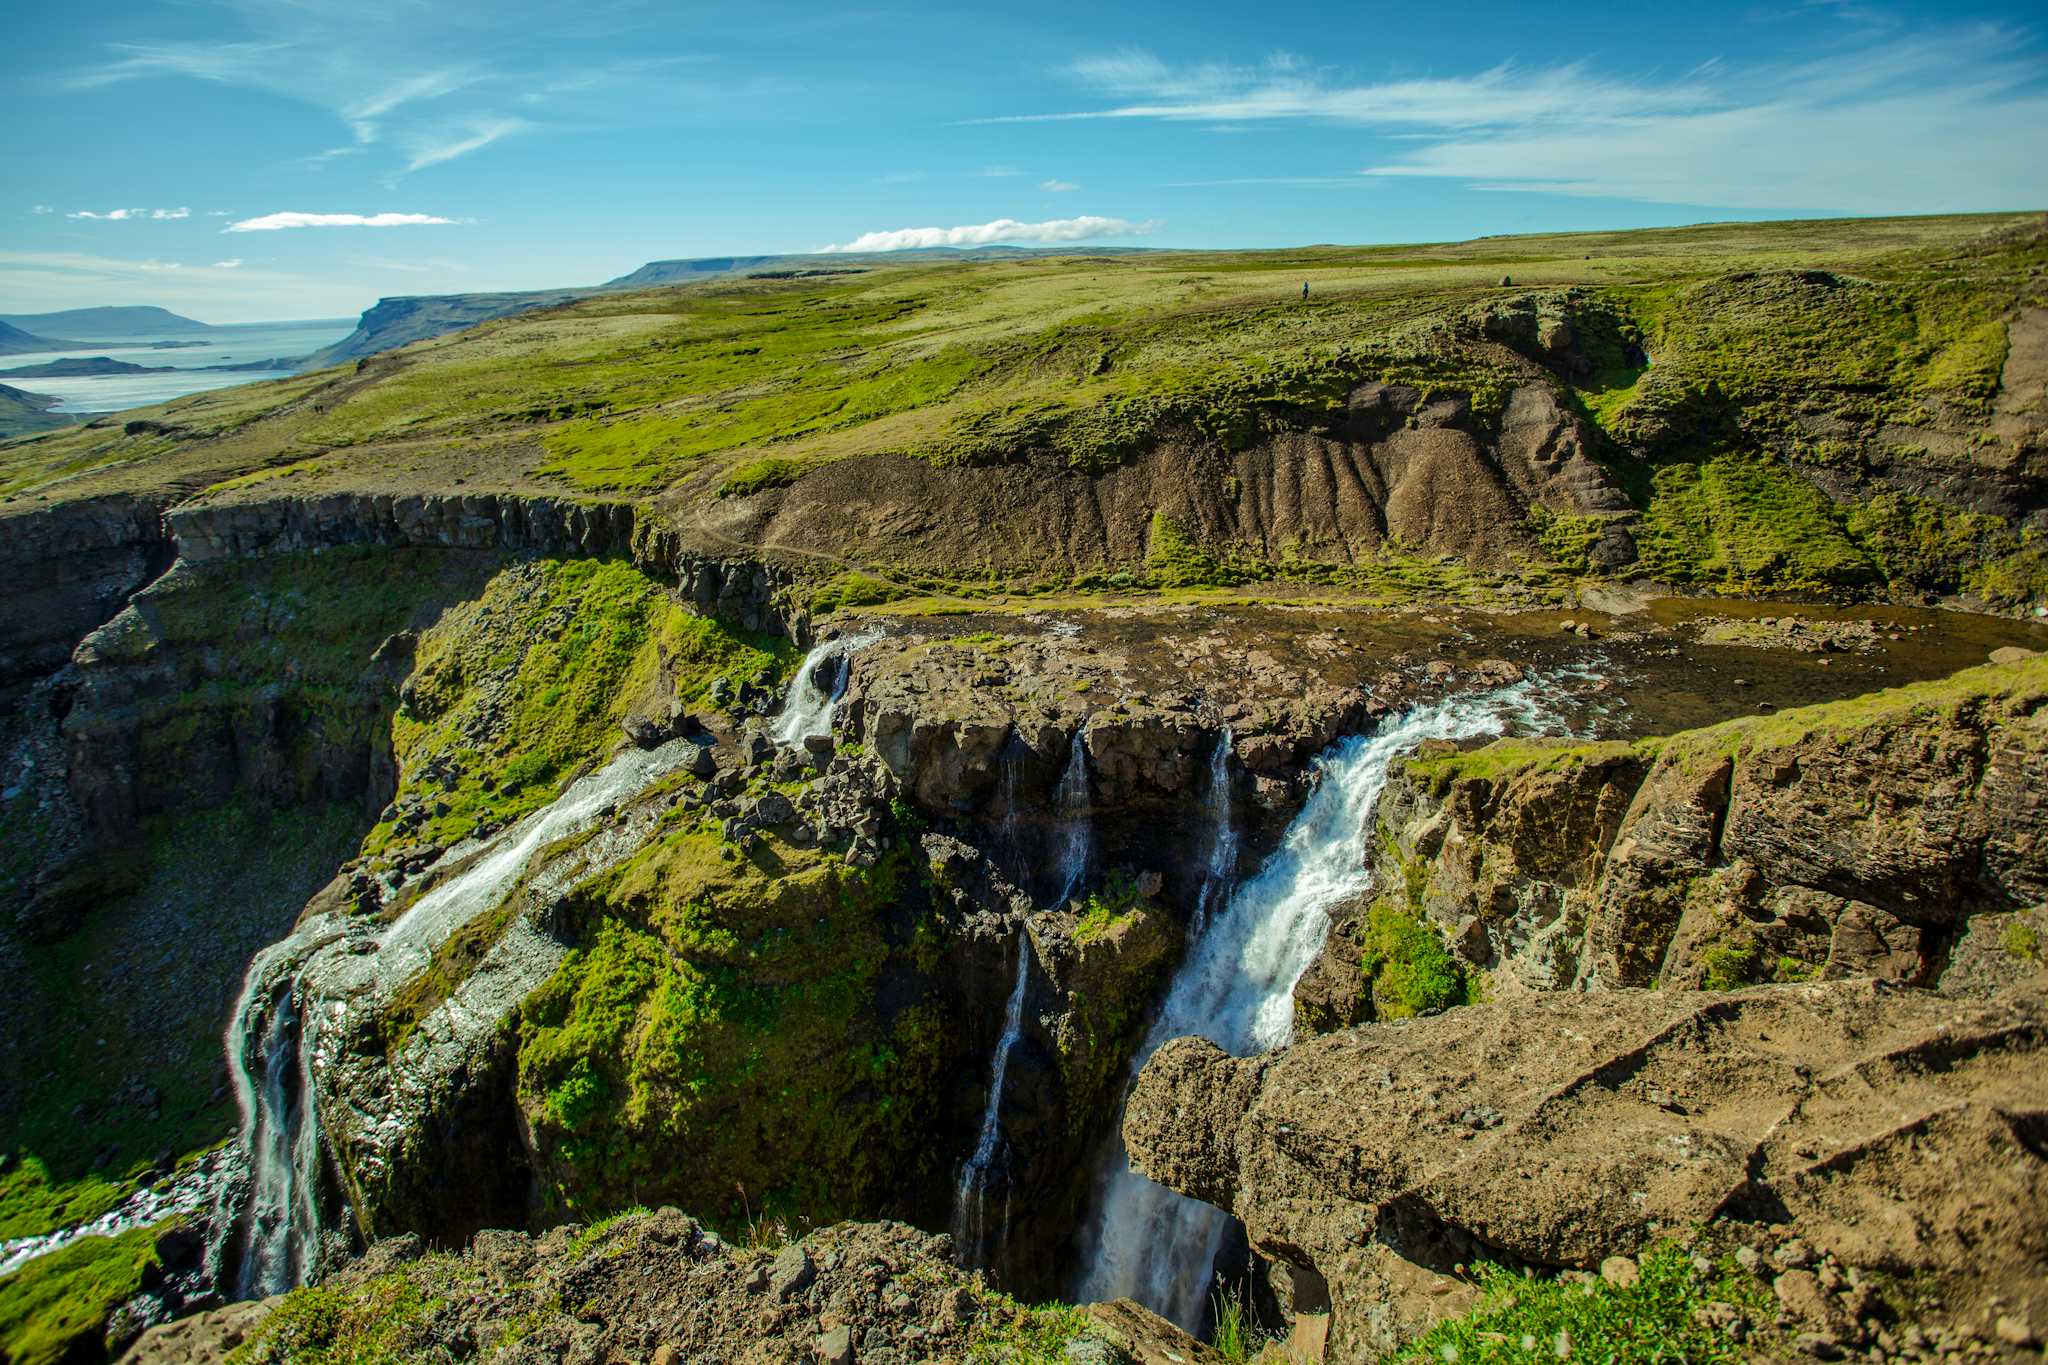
(21, 413)
(401, 321)
(102, 323)
(825, 262)
(14, 341)
(80, 368)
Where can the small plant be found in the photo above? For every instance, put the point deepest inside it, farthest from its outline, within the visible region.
(1236, 1336)
(2022, 940)
(1410, 969)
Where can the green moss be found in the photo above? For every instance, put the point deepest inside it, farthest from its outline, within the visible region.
(853, 589)
(717, 1028)
(1407, 964)
(556, 654)
(1741, 522)
(55, 1308)
(1106, 907)
(1010, 1333)
(1567, 539)
(1538, 1321)
(2021, 940)
(375, 1323)
(761, 475)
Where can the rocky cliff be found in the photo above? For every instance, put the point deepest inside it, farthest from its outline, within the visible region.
(1870, 849)
(1856, 839)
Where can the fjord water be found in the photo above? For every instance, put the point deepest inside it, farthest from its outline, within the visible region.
(1236, 987)
(278, 1213)
(232, 345)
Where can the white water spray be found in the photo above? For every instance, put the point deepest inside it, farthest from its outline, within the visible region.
(1221, 863)
(974, 1236)
(1074, 805)
(808, 712)
(1236, 988)
(272, 1037)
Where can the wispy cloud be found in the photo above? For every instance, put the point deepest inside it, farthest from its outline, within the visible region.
(235, 264)
(126, 215)
(999, 172)
(279, 222)
(1057, 186)
(1001, 230)
(1947, 119)
(431, 149)
(42, 208)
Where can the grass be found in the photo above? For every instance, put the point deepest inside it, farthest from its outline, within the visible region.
(2021, 940)
(1236, 1335)
(1012, 1333)
(1540, 1321)
(1106, 907)
(1410, 969)
(726, 1008)
(55, 1306)
(375, 1323)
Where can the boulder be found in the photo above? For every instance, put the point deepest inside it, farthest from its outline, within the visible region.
(1888, 1126)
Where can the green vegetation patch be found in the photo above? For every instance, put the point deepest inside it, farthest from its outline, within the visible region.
(53, 1309)
(1655, 1321)
(514, 694)
(1747, 523)
(379, 1322)
(718, 1027)
(1012, 1333)
(1407, 964)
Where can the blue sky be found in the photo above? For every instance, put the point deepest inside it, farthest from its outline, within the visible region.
(258, 159)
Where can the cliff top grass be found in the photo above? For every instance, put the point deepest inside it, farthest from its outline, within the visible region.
(2012, 688)
(743, 384)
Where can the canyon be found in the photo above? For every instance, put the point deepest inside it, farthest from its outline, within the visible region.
(1279, 855)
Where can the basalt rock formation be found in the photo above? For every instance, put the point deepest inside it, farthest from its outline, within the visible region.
(661, 1287)
(1894, 1130)
(1860, 839)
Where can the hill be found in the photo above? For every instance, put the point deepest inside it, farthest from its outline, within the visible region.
(1848, 408)
(398, 322)
(22, 412)
(14, 341)
(103, 323)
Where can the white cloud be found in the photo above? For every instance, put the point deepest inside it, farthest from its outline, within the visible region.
(1057, 186)
(1944, 120)
(431, 149)
(1001, 230)
(170, 213)
(277, 222)
(110, 216)
(235, 264)
(999, 172)
(42, 208)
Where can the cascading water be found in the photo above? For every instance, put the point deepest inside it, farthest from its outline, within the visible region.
(974, 1236)
(1073, 804)
(808, 712)
(1236, 986)
(278, 1213)
(1221, 863)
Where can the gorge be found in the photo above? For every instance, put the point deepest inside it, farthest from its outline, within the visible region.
(1462, 804)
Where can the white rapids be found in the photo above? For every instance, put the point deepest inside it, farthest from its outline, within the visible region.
(280, 1216)
(808, 712)
(1236, 987)
(973, 1234)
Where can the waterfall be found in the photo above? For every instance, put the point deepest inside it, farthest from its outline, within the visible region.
(974, 1237)
(1236, 986)
(1221, 863)
(277, 1216)
(1073, 804)
(808, 712)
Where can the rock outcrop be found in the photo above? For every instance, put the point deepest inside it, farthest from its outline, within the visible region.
(1852, 839)
(1896, 1130)
(68, 570)
(662, 1288)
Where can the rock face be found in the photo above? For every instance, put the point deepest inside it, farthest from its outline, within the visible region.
(1894, 1129)
(660, 1287)
(68, 570)
(1855, 839)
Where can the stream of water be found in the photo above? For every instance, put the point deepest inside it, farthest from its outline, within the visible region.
(808, 711)
(279, 1214)
(975, 1237)
(1073, 804)
(1236, 984)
